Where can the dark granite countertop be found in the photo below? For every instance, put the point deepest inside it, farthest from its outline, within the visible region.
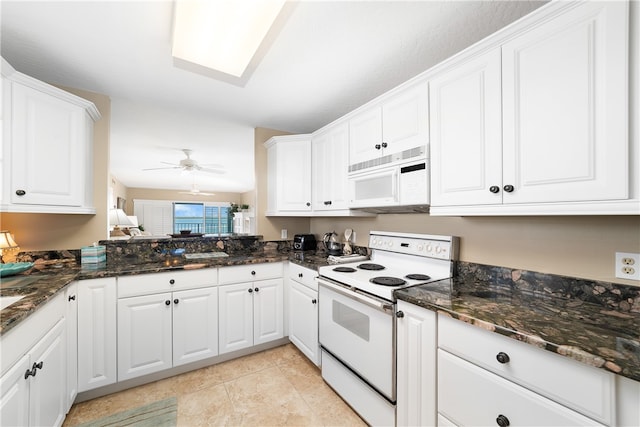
(595, 323)
(51, 279)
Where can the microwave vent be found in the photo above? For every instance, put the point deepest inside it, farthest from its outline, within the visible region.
(390, 158)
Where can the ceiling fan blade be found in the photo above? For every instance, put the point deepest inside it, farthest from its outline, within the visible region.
(209, 170)
(171, 164)
(196, 193)
(157, 169)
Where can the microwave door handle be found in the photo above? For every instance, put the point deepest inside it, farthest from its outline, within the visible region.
(378, 305)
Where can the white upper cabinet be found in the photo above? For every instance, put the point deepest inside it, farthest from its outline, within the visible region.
(289, 175)
(466, 133)
(47, 149)
(385, 131)
(330, 154)
(538, 124)
(565, 97)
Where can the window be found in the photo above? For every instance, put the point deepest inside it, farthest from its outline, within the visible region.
(206, 218)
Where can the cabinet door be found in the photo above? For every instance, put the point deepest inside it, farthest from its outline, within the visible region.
(466, 133)
(268, 310)
(330, 168)
(417, 373)
(303, 320)
(195, 325)
(14, 395)
(236, 316)
(293, 186)
(566, 107)
(96, 333)
(71, 297)
(144, 335)
(47, 389)
(365, 136)
(405, 120)
(48, 149)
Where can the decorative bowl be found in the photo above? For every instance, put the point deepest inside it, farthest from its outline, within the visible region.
(14, 268)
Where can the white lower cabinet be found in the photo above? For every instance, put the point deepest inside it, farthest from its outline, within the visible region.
(159, 331)
(470, 395)
(303, 311)
(34, 365)
(33, 390)
(251, 305)
(97, 351)
(416, 360)
(71, 297)
(250, 314)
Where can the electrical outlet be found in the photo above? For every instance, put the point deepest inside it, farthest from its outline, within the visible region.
(283, 233)
(627, 266)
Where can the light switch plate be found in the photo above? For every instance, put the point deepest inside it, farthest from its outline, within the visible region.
(283, 233)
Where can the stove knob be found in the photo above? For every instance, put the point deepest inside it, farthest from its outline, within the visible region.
(438, 249)
(419, 248)
(390, 243)
(429, 248)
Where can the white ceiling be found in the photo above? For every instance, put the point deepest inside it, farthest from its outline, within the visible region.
(329, 58)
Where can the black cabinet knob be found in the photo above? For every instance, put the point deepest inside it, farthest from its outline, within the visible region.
(308, 203)
(250, 290)
(508, 188)
(377, 146)
(29, 373)
(384, 145)
(167, 302)
(494, 189)
(314, 301)
(38, 365)
(20, 192)
(175, 301)
(171, 282)
(253, 273)
(400, 314)
(327, 202)
(502, 421)
(502, 357)
(300, 275)
(72, 297)
(257, 289)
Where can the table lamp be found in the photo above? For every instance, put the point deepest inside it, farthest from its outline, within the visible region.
(7, 244)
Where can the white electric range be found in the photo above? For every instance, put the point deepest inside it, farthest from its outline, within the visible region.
(357, 316)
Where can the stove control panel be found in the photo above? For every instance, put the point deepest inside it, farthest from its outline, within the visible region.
(440, 247)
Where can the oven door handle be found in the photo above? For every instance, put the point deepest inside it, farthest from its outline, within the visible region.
(378, 305)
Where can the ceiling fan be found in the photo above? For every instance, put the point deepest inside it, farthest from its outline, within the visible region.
(196, 192)
(190, 165)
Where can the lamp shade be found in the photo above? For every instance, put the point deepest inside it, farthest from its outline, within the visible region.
(117, 217)
(6, 240)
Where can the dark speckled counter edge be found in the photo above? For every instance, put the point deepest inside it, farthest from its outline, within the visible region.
(595, 323)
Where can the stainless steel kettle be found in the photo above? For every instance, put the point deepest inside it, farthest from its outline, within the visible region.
(332, 244)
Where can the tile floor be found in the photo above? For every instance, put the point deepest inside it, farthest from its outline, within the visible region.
(277, 387)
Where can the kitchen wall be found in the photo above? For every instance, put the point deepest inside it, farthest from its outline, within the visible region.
(57, 231)
(270, 227)
(579, 246)
(153, 194)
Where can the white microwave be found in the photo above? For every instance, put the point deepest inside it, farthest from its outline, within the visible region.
(399, 185)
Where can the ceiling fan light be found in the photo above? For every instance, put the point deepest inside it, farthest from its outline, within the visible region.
(222, 35)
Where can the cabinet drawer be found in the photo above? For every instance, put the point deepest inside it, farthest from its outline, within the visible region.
(145, 284)
(303, 275)
(589, 390)
(250, 273)
(469, 395)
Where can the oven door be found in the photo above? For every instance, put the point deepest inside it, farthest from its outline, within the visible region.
(358, 330)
